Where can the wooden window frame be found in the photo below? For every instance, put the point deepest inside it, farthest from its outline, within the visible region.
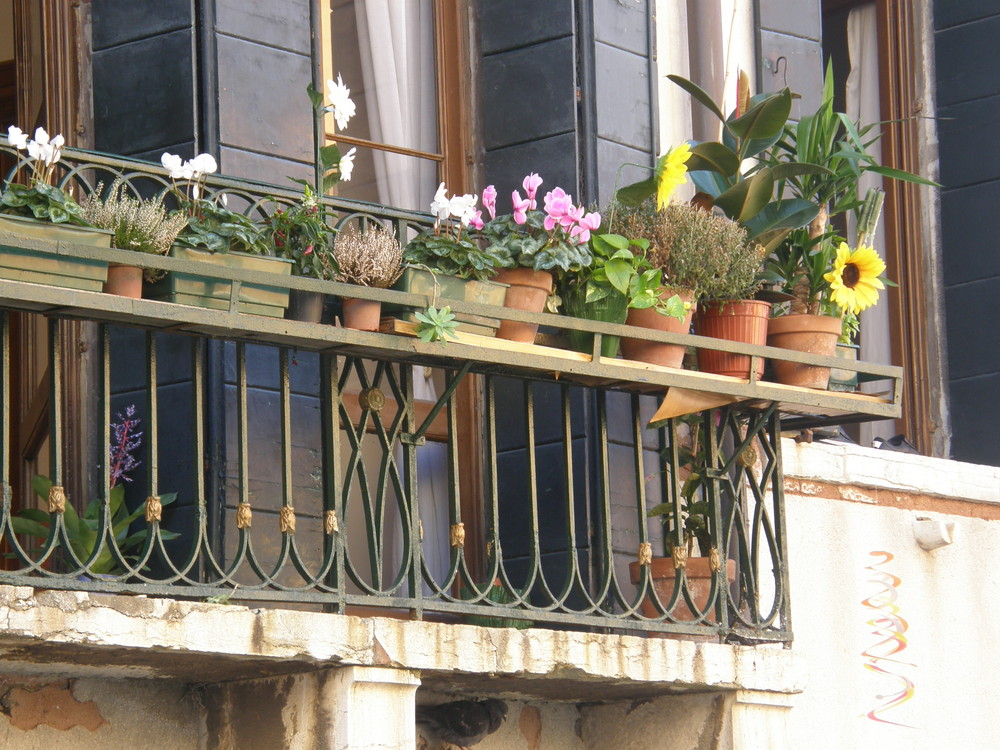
(459, 169)
(914, 336)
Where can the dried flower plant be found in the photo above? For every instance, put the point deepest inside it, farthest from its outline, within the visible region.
(137, 224)
(369, 258)
(696, 249)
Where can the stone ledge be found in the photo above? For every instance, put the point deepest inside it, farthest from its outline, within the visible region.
(902, 472)
(47, 631)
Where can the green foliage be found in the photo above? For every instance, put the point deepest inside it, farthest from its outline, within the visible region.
(82, 530)
(436, 325)
(43, 202)
(454, 253)
(616, 268)
(696, 510)
(692, 249)
(300, 233)
(530, 245)
(716, 168)
(217, 229)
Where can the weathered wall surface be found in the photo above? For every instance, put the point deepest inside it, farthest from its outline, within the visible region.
(897, 640)
(48, 713)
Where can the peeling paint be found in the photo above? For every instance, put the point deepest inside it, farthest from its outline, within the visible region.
(30, 704)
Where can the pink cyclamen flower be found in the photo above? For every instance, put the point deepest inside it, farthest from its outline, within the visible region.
(589, 223)
(521, 207)
(574, 214)
(530, 185)
(308, 250)
(490, 200)
(476, 221)
(557, 205)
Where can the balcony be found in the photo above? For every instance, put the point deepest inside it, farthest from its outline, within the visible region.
(320, 467)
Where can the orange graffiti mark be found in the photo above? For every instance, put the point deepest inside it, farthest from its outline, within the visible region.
(890, 628)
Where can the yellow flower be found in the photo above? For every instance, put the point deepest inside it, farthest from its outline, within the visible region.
(854, 280)
(670, 173)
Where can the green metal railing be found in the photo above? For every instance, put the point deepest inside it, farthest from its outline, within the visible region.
(312, 466)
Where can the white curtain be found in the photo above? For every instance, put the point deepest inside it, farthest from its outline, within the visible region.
(396, 41)
(863, 105)
(398, 65)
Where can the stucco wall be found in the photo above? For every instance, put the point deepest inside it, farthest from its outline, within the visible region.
(942, 604)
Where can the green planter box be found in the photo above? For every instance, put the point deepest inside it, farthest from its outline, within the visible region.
(40, 267)
(418, 281)
(203, 291)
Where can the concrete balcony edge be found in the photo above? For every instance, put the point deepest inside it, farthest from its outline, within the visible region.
(63, 632)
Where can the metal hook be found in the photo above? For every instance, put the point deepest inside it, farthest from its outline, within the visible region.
(784, 74)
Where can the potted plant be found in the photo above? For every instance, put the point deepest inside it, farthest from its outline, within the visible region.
(729, 175)
(685, 243)
(535, 243)
(301, 234)
(837, 149)
(137, 224)
(691, 524)
(728, 310)
(216, 235)
(83, 530)
(369, 258)
(40, 210)
(450, 261)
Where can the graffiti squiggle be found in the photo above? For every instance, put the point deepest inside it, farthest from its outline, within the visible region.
(890, 628)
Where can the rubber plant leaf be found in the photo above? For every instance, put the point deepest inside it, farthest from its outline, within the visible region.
(787, 213)
(747, 198)
(699, 94)
(713, 157)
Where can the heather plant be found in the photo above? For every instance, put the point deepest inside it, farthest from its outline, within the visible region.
(694, 248)
(138, 224)
(368, 258)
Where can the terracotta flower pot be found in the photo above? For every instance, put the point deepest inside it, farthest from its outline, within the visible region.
(527, 290)
(653, 352)
(362, 314)
(815, 334)
(124, 281)
(699, 580)
(744, 321)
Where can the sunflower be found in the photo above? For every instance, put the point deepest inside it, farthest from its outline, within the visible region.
(854, 280)
(670, 173)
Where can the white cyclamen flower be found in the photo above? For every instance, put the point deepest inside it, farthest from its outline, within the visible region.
(441, 206)
(17, 138)
(346, 165)
(173, 164)
(204, 164)
(463, 208)
(340, 102)
(41, 137)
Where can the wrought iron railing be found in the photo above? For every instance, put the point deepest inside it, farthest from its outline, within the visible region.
(314, 464)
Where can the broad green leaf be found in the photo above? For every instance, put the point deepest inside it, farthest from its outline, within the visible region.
(764, 120)
(22, 525)
(619, 273)
(713, 157)
(329, 156)
(699, 94)
(747, 198)
(314, 96)
(633, 195)
(782, 214)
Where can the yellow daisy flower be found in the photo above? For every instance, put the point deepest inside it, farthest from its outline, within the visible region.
(670, 173)
(854, 280)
